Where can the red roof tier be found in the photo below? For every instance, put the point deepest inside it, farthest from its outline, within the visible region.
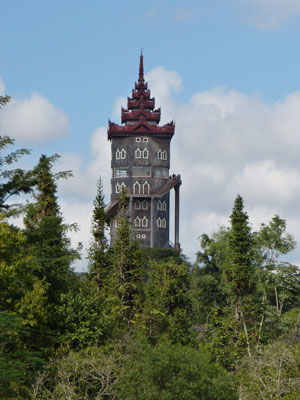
(141, 113)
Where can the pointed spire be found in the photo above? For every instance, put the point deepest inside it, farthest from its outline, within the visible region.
(141, 70)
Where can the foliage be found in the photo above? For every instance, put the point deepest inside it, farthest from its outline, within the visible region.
(128, 267)
(17, 365)
(83, 318)
(99, 263)
(171, 372)
(167, 302)
(271, 373)
(46, 232)
(87, 374)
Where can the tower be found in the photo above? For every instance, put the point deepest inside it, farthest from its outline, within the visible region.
(140, 163)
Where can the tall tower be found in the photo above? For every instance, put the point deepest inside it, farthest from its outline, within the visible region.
(140, 162)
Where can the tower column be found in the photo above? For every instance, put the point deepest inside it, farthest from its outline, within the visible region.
(177, 244)
(152, 222)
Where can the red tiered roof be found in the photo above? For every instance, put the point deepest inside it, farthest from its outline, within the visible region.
(140, 112)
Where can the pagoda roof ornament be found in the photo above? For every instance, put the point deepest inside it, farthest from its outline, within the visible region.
(140, 115)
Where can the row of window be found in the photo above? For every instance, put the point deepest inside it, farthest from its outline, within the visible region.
(141, 205)
(141, 222)
(161, 154)
(139, 139)
(141, 172)
(141, 236)
(137, 188)
(144, 222)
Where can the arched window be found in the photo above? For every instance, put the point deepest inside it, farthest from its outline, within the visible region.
(145, 205)
(158, 222)
(146, 188)
(120, 154)
(138, 153)
(137, 222)
(163, 223)
(119, 187)
(137, 205)
(164, 206)
(159, 205)
(136, 188)
(145, 153)
(145, 222)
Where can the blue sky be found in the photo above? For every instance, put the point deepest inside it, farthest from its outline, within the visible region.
(227, 71)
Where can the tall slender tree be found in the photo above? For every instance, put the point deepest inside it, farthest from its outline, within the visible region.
(128, 265)
(239, 271)
(46, 232)
(99, 264)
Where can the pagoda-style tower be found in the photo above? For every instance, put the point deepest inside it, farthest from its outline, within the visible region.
(140, 162)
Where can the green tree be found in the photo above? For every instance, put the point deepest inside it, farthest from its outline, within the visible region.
(172, 372)
(239, 270)
(167, 305)
(99, 263)
(128, 266)
(46, 232)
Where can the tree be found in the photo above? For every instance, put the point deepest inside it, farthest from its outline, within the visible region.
(99, 263)
(46, 232)
(271, 373)
(173, 372)
(128, 266)
(167, 305)
(239, 272)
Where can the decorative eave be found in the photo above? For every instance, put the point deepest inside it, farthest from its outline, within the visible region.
(127, 115)
(133, 103)
(140, 127)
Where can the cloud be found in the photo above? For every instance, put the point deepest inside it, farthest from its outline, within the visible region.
(225, 143)
(182, 15)
(33, 119)
(271, 14)
(2, 87)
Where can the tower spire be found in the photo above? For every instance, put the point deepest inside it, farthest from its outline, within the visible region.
(141, 69)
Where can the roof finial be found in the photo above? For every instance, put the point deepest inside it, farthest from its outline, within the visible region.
(141, 70)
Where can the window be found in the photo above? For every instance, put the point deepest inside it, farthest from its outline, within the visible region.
(164, 206)
(162, 154)
(136, 188)
(146, 188)
(161, 172)
(145, 153)
(119, 187)
(159, 205)
(145, 222)
(117, 223)
(145, 139)
(120, 154)
(143, 236)
(138, 236)
(121, 173)
(141, 171)
(137, 205)
(138, 153)
(145, 205)
(123, 154)
(137, 222)
(138, 139)
(161, 223)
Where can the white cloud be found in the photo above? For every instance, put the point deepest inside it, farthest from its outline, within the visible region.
(33, 119)
(2, 87)
(182, 15)
(271, 14)
(225, 143)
